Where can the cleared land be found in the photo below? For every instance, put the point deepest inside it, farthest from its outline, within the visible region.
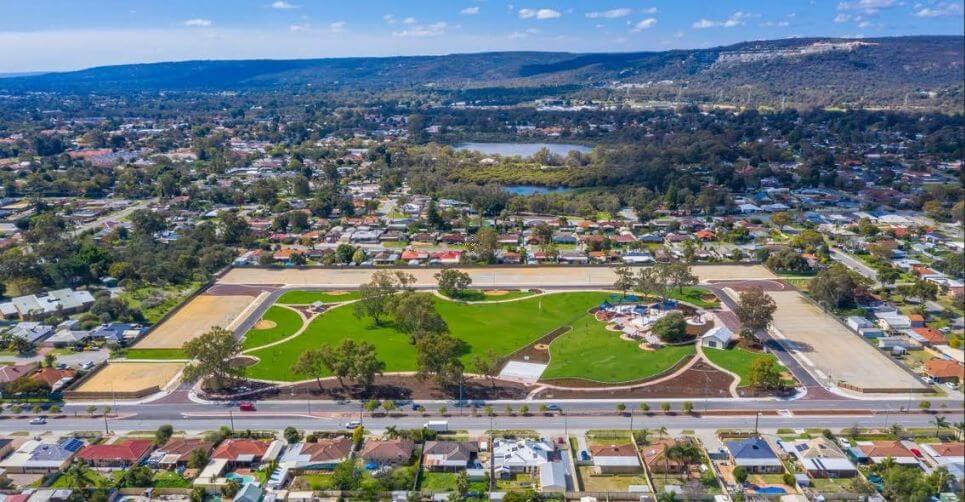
(489, 277)
(280, 322)
(130, 377)
(195, 318)
(832, 349)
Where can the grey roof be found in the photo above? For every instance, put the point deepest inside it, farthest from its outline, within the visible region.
(751, 448)
(552, 475)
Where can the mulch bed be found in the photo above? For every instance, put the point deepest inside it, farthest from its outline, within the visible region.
(701, 380)
(389, 387)
(531, 354)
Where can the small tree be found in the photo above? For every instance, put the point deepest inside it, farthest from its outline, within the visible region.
(644, 407)
(443, 410)
(665, 407)
(764, 374)
(671, 328)
(740, 474)
(90, 410)
(688, 407)
(488, 410)
(524, 410)
(453, 283)
(924, 405)
(508, 409)
(162, 434)
(621, 408)
(211, 355)
(371, 405)
(292, 435)
(388, 405)
(543, 409)
(755, 310)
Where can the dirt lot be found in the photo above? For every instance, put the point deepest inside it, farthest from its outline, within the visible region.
(701, 380)
(832, 349)
(194, 319)
(130, 377)
(492, 277)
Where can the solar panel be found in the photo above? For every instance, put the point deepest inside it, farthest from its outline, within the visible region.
(72, 444)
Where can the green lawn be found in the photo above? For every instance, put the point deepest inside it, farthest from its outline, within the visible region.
(170, 479)
(590, 351)
(737, 360)
(159, 354)
(696, 296)
(286, 320)
(478, 295)
(308, 297)
(500, 327)
(446, 482)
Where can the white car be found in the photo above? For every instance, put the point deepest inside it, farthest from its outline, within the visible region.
(38, 421)
(354, 424)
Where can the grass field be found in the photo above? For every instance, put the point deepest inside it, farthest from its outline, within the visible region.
(446, 482)
(478, 295)
(286, 322)
(500, 327)
(591, 352)
(737, 360)
(309, 297)
(155, 354)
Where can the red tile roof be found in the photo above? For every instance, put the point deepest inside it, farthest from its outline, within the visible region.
(943, 368)
(130, 450)
(231, 449)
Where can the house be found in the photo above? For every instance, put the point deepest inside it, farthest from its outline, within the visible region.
(656, 459)
(821, 458)
(32, 332)
(387, 451)
(637, 257)
(718, 337)
(249, 492)
(176, 452)
(17, 371)
(615, 459)
(60, 301)
(552, 477)
(120, 454)
(755, 455)
(54, 378)
(521, 455)
(945, 453)
(943, 370)
(33, 457)
(324, 454)
(927, 336)
(449, 455)
(243, 451)
(878, 451)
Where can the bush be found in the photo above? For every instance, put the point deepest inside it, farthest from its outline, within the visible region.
(740, 474)
(671, 328)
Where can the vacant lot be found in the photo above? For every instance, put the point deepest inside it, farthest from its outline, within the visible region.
(833, 350)
(489, 277)
(200, 315)
(124, 377)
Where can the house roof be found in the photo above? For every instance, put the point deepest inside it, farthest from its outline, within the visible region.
(130, 450)
(391, 449)
(52, 375)
(754, 448)
(943, 368)
(613, 450)
(232, 449)
(182, 447)
(451, 450)
(884, 449)
(948, 449)
(328, 449)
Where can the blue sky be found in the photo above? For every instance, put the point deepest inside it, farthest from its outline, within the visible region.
(41, 35)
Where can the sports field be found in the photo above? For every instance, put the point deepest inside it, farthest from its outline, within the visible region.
(123, 377)
(195, 318)
(588, 351)
(277, 323)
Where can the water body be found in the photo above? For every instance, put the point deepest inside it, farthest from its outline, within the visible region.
(533, 190)
(522, 149)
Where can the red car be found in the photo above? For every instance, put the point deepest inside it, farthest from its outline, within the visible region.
(246, 407)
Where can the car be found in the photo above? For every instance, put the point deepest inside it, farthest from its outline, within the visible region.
(951, 385)
(86, 365)
(553, 407)
(417, 407)
(246, 406)
(584, 456)
(62, 366)
(38, 421)
(354, 424)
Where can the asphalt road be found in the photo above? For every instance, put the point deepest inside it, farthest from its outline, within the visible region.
(855, 264)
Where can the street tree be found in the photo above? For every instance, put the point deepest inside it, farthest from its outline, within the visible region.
(755, 309)
(211, 355)
(452, 282)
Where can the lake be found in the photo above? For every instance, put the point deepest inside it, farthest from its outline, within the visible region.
(521, 149)
(533, 189)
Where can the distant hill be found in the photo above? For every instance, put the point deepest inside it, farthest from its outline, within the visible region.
(925, 70)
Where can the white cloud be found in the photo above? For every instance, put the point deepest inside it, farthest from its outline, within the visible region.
(842, 18)
(389, 18)
(736, 19)
(650, 10)
(198, 22)
(539, 14)
(337, 26)
(771, 24)
(282, 4)
(646, 24)
(469, 11)
(940, 9)
(864, 24)
(867, 6)
(408, 20)
(419, 31)
(299, 27)
(609, 14)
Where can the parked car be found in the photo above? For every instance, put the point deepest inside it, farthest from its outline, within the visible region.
(553, 407)
(38, 421)
(246, 406)
(86, 365)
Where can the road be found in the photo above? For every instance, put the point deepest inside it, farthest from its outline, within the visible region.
(855, 264)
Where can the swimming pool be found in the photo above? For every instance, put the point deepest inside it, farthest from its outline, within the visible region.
(771, 490)
(239, 478)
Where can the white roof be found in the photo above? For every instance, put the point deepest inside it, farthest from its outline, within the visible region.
(616, 461)
(827, 464)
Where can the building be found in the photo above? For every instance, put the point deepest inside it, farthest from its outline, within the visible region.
(247, 451)
(324, 454)
(177, 452)
(615, 459)
(718, 337)
(552, 477)
(41, 457)
(62, 301)
(943, 370)
(821, 458)
(755, 455)
(116, 455)
(387, 452)
(449, 455)
(878, 451)
(656, 459)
